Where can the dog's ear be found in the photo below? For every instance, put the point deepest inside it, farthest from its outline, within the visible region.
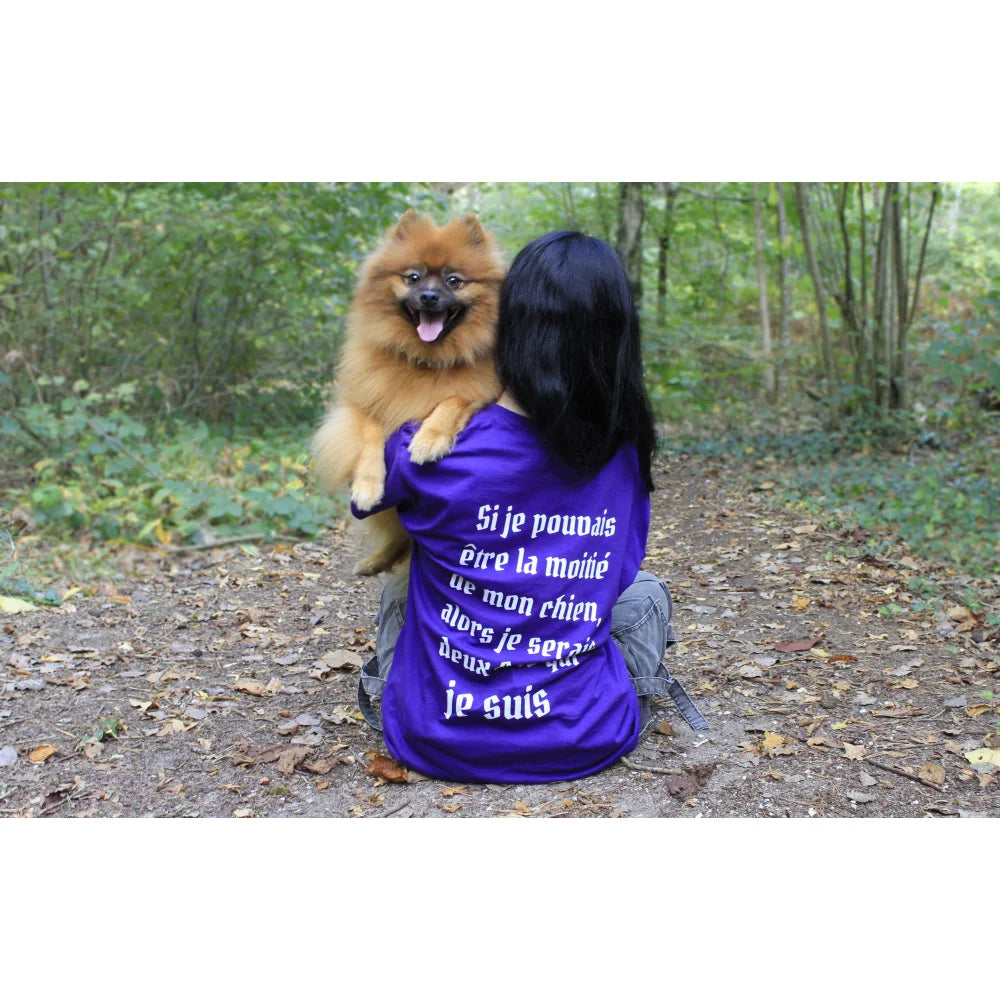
(474, 231)
(405, 224)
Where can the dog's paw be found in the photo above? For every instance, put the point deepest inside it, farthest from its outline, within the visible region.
(429, 445)
(366, 491)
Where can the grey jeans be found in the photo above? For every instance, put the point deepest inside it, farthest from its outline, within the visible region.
(640, 626)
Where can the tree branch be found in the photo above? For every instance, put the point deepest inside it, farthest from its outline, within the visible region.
(923, 253)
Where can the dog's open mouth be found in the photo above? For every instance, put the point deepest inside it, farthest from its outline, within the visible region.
(432, 326)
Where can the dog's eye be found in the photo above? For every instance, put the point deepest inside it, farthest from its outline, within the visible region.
(412, 278)
(455, 281)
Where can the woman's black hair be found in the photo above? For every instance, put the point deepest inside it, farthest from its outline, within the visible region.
(569, 351)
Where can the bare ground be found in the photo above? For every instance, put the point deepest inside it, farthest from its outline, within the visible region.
(222, 683)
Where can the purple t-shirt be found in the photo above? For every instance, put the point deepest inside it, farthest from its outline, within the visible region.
(505, 670)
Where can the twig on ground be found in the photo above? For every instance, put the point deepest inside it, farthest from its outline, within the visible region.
(902, 773)
(633, 766)
(890, 768)
(234, 540)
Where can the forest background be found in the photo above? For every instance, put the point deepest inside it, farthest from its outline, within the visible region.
(166, 350)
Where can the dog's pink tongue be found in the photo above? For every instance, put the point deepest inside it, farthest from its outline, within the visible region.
(430, 326)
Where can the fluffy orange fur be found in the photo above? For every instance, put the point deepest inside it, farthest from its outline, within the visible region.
(388, 375)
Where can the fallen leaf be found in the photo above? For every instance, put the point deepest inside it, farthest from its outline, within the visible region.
(251, 687)
(15, 606)
(854, 751)
(867, 780)
(983, 755)
(455, 790)
(932, 772)
(666, 729)
(41, 753)
(289, 759)
(775, 745)
(965, 620)
(267, 755)
(751, 671)
(861, 797)
(795, 645)
(842, 658)
(341, 714)
(8, 756)
(801, 603)
(173, 726)
(974, 710)
(338, 659)
(387, 769)
(242, 813)
(683, 786)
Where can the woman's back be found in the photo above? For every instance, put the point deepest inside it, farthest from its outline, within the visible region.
(505, 670)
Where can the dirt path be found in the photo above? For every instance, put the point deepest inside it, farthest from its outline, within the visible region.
(222, 684)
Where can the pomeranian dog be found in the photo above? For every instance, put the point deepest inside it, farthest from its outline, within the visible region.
(419, 346)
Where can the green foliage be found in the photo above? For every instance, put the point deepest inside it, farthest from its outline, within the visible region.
(892, 479)
(195, 293)
(98, 470)
(961, 362)
(166, 350)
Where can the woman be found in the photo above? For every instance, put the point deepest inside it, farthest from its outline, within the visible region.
(525, 643)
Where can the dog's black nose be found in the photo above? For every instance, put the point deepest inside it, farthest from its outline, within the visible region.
(429, 298)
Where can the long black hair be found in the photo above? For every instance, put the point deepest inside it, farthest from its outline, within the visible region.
(569, 351)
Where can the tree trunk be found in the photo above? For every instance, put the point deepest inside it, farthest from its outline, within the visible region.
(881, 292)
(867, 342)
(605, 212)
(897, 381)
(784, 283)
(630, 216)
(802, 200)
(765, 319)
(906, 305)
(663, 257)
